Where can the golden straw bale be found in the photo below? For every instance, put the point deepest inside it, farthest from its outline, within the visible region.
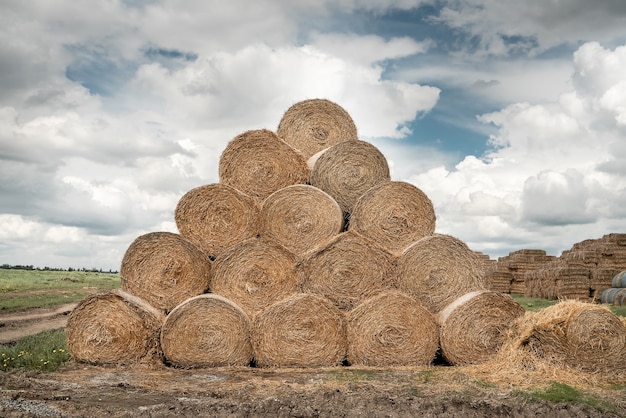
(258, 163)
(303, 330)
(394, 214)
(216, 216)
(312, 125)
(437, 269)
(346, 270)
(300, 217)
(475, 325)
(254, 274)
(391, 329)
(349, 169)
(207, 331)
(164, 269)
(114, 327)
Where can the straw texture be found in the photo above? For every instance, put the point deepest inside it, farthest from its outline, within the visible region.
(114, 327)
(391, 329)
(254, 274)
(303, 330)
(300, 217)
(394, 214)
(347, 170)
(437, 269)
(164, 269)
(258, 163)
(215, 217)
(315, 124)
(207, 331)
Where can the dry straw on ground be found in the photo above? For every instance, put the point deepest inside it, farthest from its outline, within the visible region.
(346, 270)
(114, 327)
(207, 331)
(474, 326)
(164, 269)
(394, 214)
(216, 216)
(437, 269)
(303, 330)
(254, 274)
(391, 329)
(258, 163)
(347, 170)
(300, 217)
(312, 125)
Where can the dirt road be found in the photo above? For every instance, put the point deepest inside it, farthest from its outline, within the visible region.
(19, 325)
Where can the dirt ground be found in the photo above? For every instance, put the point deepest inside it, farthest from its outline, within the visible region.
(81, 390)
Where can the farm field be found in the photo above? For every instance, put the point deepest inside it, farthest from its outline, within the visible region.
(77, 389)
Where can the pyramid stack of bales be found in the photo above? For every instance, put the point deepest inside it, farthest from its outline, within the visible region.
(305, 254)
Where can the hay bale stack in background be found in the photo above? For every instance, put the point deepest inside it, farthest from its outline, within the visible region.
(347, 170)
(207, 331)
(303, 330)
(391, 329)
(393, 214)
(575, 334)
(313, 125)
(346, 270)
(475, 325)
(164, 269)
(114, 327)
(258, 163)
(215, 217)
(437, 269)
(254, 274)
(300, 217)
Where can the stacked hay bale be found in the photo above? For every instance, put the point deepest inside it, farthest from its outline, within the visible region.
(616, 294)
(305, 254)
(509, 274)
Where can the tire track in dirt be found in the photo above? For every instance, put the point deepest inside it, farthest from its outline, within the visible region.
(14, 327)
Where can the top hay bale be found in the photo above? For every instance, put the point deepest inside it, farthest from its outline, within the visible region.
(312, 125)
(258, 163)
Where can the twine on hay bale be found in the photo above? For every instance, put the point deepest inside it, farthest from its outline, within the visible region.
(571, 333)
(114, 327)
(207, 331)
(300, 217)
(216, 216)
(312, 125)
(437, 269)
(394, 214)
(346, 270)
(254, 274)
(347, 170)
(474, 326)
(302, 330)
(258, 163)
(164, 269)
(391, 329)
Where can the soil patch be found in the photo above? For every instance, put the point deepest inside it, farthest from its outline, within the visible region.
(15, 326)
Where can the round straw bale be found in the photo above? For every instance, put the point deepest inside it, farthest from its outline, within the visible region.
(216, 216)
(302, 330)
(207, 331)
(312, 125)
(391, 329)
(164, 269)
(349, 169)
(300, 217)
(347, 270)
(437, 269)
(258, 163)
(254, 274)
(114, 327)
(475, 325)
(571, 333)
(394, 214)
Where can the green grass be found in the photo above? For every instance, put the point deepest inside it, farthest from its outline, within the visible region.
(17, 303)
(45, 352)
(560, 392)
(14, 280)
(536, 304)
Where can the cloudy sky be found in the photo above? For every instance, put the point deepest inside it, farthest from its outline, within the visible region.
(510, 115)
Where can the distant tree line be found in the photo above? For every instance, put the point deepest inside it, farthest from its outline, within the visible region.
(31, 267)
